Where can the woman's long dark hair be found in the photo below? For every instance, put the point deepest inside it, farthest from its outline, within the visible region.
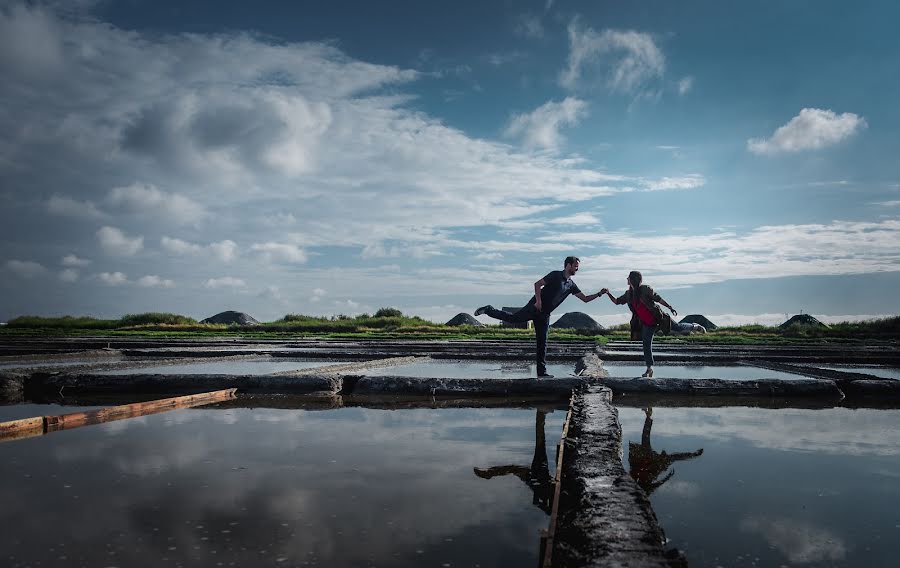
(635, 278)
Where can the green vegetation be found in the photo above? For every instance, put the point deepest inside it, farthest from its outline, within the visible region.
(391, 323)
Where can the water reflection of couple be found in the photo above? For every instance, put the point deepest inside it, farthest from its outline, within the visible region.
(537, 477)
(647, 465)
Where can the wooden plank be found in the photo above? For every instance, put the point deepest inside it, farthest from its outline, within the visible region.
(77, 419)
(39, 425)
(24, 428)
(548, 535)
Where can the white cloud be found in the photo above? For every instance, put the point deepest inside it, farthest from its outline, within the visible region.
(178, 246)
(280, 252)
(529, 26)
(583, 218)
(25, 268)
(73, 260)
(271, 293)
(812, 129)
(68, 275)
(115, 242)
(540, 128)
(161, 206)
(280, 219)
(317, 295)
(893, 203)
(684, 182)
(628, 61)
(68, 207)
(112, 278)
(225, 251)
(838, 248)
(685, 85)
(154, 281)
(225, 282)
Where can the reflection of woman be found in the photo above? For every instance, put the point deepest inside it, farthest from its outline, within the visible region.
(647, 317)
(646, 465)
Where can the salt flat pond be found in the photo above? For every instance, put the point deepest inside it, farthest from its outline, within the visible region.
(451, 369)
(727, 372)
(783, 487)
(252, 487)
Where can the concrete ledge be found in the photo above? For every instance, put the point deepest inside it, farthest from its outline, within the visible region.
(12, 386)
(86, 383)
(605, 518)
(813, 388)
(561, 387)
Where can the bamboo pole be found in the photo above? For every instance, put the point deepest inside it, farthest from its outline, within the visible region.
(548, 534)
(37, 425)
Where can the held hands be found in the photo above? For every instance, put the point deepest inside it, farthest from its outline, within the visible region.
(602, 292)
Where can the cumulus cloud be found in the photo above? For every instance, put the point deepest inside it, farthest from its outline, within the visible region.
(112, 278)
(117, 243)
(225, 282)
(812, 129)
(224, 251)
(685, 85)
(540, 127)
(838, 248)
(25, 268)
(317, 294)
(73, 260)
(154, 281)
(583, 218)
(159, 205)
(69, 275)
(68, 207)
(627, 61)
(280, 252)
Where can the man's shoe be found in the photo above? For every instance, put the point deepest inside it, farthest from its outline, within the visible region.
(544, 376)
(482, 310)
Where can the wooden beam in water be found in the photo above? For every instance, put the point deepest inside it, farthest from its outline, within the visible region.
(548, 535)
(37, 425)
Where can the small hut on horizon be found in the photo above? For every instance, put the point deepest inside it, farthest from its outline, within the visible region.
(577, 320)
(232, 317)
(700, 319)
(463, 318)
(803, 319)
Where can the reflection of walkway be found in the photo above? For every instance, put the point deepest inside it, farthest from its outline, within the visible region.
(537, 477)
(647, 465)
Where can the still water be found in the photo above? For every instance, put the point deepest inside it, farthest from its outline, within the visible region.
(225, 368)
(758, 487)
(266, 487)
(726, 372)
(450, 369)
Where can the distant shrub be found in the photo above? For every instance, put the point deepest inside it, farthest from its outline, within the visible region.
(388, 313)
(154, 318)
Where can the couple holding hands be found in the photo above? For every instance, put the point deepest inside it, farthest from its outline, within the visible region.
(550, 291)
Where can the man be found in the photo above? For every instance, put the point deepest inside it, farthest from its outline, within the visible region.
(549, 292)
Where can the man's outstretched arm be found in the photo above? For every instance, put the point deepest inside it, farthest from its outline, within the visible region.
(589, 298)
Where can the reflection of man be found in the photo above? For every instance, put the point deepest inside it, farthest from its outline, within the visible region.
(537, 477)
(646, 465)
(549, 293)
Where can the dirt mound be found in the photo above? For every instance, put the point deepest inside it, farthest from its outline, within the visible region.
(464, 319)
(701, 319)
(578, 320)
(803, 319)
(231, 317)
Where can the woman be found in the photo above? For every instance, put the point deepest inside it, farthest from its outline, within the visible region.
(647, 317)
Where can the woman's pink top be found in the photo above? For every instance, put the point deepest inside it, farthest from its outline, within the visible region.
(642, 312)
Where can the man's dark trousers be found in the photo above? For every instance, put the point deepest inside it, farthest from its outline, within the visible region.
(541, 328)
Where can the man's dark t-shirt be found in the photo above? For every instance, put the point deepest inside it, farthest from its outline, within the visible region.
(556, 289)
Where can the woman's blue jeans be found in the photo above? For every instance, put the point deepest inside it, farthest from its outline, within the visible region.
(647, 332)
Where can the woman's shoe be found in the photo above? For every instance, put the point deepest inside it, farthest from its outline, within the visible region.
(648, 374)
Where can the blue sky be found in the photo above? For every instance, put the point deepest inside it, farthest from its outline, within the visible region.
(280, 157)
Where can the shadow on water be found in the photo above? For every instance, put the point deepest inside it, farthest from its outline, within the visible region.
(646, 464)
